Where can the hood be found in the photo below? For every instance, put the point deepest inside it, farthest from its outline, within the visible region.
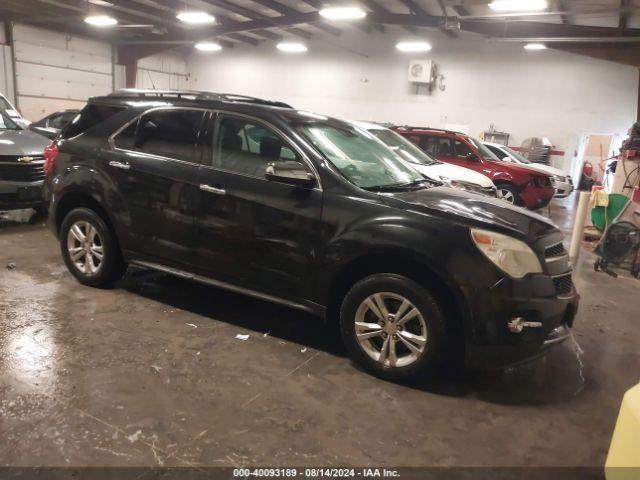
(516, 167)
(453, 172)
(541, 167)
(22, 142)
(473, 210)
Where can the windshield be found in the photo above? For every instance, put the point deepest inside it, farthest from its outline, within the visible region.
(403, 147)
(4, 104)
(484, 151)
(7, 124)
(517, 155)
(360, 157)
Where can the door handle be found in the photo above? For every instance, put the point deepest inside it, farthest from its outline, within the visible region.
(120, 165)
(210, 189)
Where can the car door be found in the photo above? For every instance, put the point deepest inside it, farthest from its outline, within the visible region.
(256, 233)
(153, 165)
(467, 157)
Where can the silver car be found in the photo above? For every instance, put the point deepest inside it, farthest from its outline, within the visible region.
(21, 166)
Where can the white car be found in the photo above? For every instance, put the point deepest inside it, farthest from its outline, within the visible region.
(560, 180)
(12, 113)
(450, 175)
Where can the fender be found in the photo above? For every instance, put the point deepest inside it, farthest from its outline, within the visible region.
(95, 186)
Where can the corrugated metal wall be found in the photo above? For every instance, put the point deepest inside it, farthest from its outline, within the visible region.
(163, 71)
(55, 71)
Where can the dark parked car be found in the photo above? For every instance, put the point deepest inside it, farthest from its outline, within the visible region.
(516, 184)
(51, 125)
(310, 212)
(21, 166)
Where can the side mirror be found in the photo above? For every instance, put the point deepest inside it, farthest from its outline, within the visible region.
(506, 159)
(471, 157)
(290, 172)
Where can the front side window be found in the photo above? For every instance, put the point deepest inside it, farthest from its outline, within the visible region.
(7, 124)
(484, 151)
(247, 147)
(60, 121)
(169, 133)
(462, 149)
(360, 157)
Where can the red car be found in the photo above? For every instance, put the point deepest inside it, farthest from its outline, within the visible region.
(516, 184)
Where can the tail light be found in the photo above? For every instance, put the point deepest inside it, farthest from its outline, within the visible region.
(50, 154)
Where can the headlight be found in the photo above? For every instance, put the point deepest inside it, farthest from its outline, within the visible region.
(512, 256)
(558, 178)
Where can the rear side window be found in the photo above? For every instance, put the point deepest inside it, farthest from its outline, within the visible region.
(60, 121)
(166, 133)
(89, 117)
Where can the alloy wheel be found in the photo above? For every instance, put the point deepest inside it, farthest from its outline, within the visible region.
(85, 247)
(390, 329)
(506, 195)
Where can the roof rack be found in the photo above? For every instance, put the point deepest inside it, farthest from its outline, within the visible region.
(194, 95)
(408, 127)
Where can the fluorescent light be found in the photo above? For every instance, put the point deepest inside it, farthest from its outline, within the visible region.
(292, 47)
(535, 46)
(208, 47)
(101, 20)
(413, 46)
(196, 18)
(518, 5)
(343, 13)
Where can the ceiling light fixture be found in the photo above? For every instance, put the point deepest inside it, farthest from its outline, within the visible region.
(414, 47)
(518, 5)
(208, 47)
(196, 18)
(535, 46)
(101, 20)
(292, 47)
(343, 13)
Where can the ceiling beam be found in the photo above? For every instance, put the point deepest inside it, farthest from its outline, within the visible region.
(447, 32)
(243, 38)
(253, 15)
(625, 5)
(561, 5)
(525, 29)
(286, 10)
(627, 54)
(414, 8)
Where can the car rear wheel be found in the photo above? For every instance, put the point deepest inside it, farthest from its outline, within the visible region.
(393, 327)
(90, 249)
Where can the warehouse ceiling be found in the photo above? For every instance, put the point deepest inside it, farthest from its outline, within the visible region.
(607, 29)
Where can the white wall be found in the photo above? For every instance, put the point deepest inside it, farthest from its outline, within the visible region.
(55, 71)
(548, 93)
(164, 71)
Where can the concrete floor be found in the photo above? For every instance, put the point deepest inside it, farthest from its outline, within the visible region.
(150, 373)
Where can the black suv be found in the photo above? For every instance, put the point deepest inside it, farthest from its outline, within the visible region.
(310, 212)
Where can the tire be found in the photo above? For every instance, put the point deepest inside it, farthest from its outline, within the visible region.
(97, 272)
(42, 210)
(428, 326)
(508, 193)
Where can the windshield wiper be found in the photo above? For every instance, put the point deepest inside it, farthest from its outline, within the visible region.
(398, 187)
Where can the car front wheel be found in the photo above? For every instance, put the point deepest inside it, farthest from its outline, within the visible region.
(508, 193)
(393, 327)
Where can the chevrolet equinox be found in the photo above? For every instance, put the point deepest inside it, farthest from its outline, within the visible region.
(313, 213)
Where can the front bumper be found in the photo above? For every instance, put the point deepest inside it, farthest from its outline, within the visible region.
(563, 189)
(16, 195)
(493, 345)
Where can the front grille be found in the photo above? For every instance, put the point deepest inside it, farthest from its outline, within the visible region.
(555, 251)
(22, 172)
(563, 284)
